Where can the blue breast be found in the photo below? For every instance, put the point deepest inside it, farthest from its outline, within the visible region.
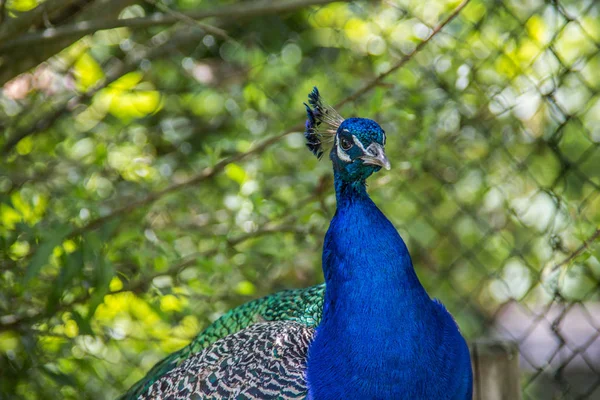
(381, 336)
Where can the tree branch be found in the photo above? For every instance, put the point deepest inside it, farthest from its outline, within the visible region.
(23, 58)
(406, 58)
(63, 108)
(2, 10)
(251, 9)
(17, 322)
(14, 26)
(208, 173)
(186, 19)
(228, 12)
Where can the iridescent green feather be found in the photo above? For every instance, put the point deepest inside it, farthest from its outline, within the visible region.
(304, 306)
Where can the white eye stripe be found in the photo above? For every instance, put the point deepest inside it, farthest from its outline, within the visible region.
(340, 152)
(359, 144)
(369, 150)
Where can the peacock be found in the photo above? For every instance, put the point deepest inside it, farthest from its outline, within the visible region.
(370, 332)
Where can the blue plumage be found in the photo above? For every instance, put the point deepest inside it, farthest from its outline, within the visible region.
(381, 336)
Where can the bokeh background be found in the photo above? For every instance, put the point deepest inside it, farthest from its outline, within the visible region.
(153, 173)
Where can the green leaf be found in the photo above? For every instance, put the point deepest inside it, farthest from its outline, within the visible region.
(60, 378)
(85, 328)
(87, 72)
(104, 272)
(72, 267)
(107, 230)
(43, 252)
(245, 288)
(235, 173)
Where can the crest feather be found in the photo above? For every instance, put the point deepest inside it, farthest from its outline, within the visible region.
(321, 124)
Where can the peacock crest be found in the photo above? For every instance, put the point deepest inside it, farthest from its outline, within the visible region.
(321, 125)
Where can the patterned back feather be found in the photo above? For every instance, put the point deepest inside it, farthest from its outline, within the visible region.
(264, 361)
(321, 124)
(303, 306)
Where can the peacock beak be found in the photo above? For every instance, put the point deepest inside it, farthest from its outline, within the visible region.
(375, 155)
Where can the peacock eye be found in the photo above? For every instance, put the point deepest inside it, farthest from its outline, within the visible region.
(345, 144)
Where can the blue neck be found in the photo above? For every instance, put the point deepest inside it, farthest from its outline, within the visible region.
(372, 291)
(358, 245)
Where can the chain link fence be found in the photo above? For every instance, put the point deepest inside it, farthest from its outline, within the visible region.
(154, 175)
(533, 185)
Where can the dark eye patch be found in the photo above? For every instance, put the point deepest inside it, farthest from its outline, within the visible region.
(345, 144)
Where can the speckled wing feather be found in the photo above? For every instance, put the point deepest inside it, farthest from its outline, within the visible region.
(264, 361)
(303, 306)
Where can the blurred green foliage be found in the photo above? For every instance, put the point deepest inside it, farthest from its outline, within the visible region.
(140, 201)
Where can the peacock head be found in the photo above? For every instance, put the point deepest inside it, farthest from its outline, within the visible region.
(357, 143)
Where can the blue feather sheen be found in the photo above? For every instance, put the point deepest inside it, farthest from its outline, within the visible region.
(381, 335)
(380, 332)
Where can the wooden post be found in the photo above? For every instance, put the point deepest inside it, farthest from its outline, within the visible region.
(495, 370)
